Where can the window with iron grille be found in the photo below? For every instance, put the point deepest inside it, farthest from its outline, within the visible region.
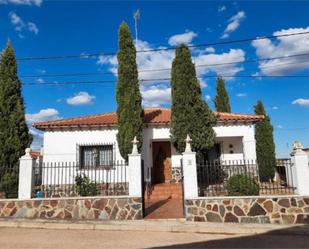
(96, 156)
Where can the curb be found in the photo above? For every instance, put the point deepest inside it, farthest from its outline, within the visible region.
(175, 226)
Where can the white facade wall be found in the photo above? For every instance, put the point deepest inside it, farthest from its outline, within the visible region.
(247, 135)
(61, 146)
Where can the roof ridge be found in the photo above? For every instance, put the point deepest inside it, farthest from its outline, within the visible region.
(154, 115)
(237, 113)
(76, 118)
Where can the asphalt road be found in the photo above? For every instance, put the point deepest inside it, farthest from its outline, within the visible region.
(16, 238)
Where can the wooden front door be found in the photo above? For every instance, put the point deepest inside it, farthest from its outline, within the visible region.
(161, 156)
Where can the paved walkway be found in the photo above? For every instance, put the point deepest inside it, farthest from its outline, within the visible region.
(172, 208)
(20, 238)
(173, 226)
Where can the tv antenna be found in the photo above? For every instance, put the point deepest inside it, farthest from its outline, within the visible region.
(136, 16)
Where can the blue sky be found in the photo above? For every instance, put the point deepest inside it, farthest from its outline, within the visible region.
(47, 28)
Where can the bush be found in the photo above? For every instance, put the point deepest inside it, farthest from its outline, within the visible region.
(85, 187)
(9, 184)
(242, 185)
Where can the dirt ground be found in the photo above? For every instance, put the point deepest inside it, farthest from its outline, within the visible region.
(16, 238)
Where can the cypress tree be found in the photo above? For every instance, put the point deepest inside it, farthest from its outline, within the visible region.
(14, 132)
(128, 96)
(265, 146)
(222, 100)
(190, 113)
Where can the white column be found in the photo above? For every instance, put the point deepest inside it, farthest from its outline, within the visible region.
(135, 171)
(26, 164)
(301, 169)
(189, 172)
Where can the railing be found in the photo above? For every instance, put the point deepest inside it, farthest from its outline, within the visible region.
(242, 177)
(9, 181)
(64, 179)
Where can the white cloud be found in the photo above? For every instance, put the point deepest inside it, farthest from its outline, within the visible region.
(33, 28)
(241, 94)
(43, 115)
(275, 107)
(210, 50)
(150, 67)
(233, 24)
(301, 102)
(16, 21)
(20, 25)
(221, 8)
(156, 95)
(22, 2)
(207, 97)
(279, 126)
(184, 38)
(230, 69)
(40, 80)
(283, 46)
(82, 98)
(35, 133)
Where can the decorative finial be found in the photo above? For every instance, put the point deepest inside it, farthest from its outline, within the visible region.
(297, 146)
(134, 149)
(188, 141)
(27, 150)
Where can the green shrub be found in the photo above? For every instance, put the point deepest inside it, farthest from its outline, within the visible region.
(85, 187)
(242, 185)
(9, 184)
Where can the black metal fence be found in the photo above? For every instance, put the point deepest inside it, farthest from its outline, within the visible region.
(9, 181)
(242, 177)
(64, 179)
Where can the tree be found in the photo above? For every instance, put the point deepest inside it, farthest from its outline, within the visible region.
(128, 96)
(222, 100)
(265, 146)
(190, 113)
(14, 132)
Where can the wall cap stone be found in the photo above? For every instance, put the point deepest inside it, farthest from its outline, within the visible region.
(247, 197)
(72, 198)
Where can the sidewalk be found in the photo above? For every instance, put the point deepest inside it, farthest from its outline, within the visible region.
(175, 225)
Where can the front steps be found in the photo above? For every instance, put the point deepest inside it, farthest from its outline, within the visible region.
(164, 201)
(164, 191)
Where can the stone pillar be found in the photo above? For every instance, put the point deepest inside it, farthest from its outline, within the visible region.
(135, 171)
(189, 171)
(26, 164)
(301, 169)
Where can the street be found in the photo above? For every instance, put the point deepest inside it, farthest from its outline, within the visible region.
(16, 238)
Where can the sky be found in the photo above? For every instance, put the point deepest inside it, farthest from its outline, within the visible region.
(39, 28)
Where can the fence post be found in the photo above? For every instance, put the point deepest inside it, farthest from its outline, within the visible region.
(26, 164)
(189, 171)
(135, 171)
(301, 169)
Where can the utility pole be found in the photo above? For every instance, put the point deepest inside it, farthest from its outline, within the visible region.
(136, 16)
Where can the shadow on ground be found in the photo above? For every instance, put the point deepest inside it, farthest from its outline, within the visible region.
(155, 205)
(282, 238)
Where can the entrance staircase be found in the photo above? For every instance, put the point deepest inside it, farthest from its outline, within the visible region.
(164, 201)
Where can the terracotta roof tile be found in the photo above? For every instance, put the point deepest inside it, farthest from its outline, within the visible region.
(152, 116)
(35, 154)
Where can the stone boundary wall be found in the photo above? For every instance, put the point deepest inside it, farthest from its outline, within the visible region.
(277, 210)
(77, 208)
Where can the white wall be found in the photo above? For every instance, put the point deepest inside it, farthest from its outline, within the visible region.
(61, 146)
(246, 131)
(236, 152)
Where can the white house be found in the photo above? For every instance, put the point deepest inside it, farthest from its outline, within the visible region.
(91, 139)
